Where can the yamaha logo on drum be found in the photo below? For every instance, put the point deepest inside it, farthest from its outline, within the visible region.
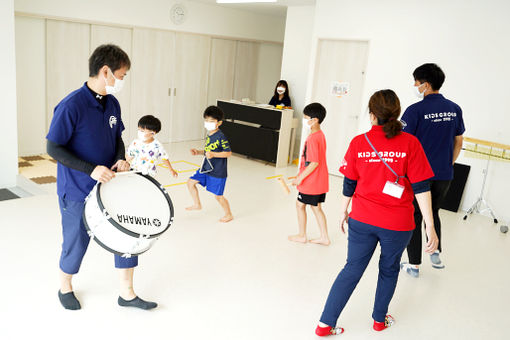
(146, 221)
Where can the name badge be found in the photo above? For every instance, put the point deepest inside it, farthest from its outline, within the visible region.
(393, 189)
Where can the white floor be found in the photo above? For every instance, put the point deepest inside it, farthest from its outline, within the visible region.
(244, 280)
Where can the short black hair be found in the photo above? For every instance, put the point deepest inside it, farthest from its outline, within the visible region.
(110, 55)
(315, 110)
(214, 112)
(150, 123)
(430, 73)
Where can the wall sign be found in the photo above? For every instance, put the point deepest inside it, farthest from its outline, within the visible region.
(339, 89)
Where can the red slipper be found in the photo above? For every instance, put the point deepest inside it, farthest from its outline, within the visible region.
(388, 322)
(325, 331)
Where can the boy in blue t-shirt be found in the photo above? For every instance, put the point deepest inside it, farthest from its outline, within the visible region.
(437, 123)
(213, 173)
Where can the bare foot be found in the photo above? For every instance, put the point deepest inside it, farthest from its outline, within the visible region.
(298, 238)
(323, 241)
(226, 218)
(128, 296)
(66, 290)
(194, 207)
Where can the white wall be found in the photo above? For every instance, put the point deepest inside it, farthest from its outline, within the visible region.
(468, 39)
(296, 58)
(9, 151)
(201, 18)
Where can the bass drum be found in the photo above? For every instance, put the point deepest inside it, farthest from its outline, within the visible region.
(127, 215)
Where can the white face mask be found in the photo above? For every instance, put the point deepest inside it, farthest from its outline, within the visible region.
(142, 137)
(117, 86)
(281, 90)
(210, 126)
(306, 125)
(417, 91)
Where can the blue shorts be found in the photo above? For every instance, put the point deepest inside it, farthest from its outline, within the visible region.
(212, 184)
(76, 239)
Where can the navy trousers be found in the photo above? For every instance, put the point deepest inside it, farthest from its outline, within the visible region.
(76, 239)
(438, 191)
(362, 241)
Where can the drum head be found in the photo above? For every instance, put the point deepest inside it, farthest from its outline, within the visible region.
(136, 204)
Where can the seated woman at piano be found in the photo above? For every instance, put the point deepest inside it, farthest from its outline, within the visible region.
(281, 95)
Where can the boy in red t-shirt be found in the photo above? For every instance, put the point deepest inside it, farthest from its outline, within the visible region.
(313, 179)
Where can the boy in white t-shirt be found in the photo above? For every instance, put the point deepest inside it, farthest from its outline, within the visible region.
(146, 152)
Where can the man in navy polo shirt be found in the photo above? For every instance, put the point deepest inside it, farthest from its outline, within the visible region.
(85, 139)
(437, 123)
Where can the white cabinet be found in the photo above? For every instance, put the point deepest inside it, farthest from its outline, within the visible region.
(152, 70)
(221, 70)
(31, 85)
(246, 68)
(173, 76)
(269, 71)
(121, 37)
(67, 53)
(192, 54)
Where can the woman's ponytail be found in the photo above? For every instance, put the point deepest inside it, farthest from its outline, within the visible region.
(385, 105)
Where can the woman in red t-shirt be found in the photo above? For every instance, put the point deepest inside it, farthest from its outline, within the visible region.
(383, 170)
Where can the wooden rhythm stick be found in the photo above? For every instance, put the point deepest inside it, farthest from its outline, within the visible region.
(284, 185)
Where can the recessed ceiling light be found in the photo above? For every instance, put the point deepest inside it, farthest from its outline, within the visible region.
(241, 1)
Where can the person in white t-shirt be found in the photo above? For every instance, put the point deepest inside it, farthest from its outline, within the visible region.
(146, 152)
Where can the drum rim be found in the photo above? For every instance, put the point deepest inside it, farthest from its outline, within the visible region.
(104, 245)
(127, 231)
